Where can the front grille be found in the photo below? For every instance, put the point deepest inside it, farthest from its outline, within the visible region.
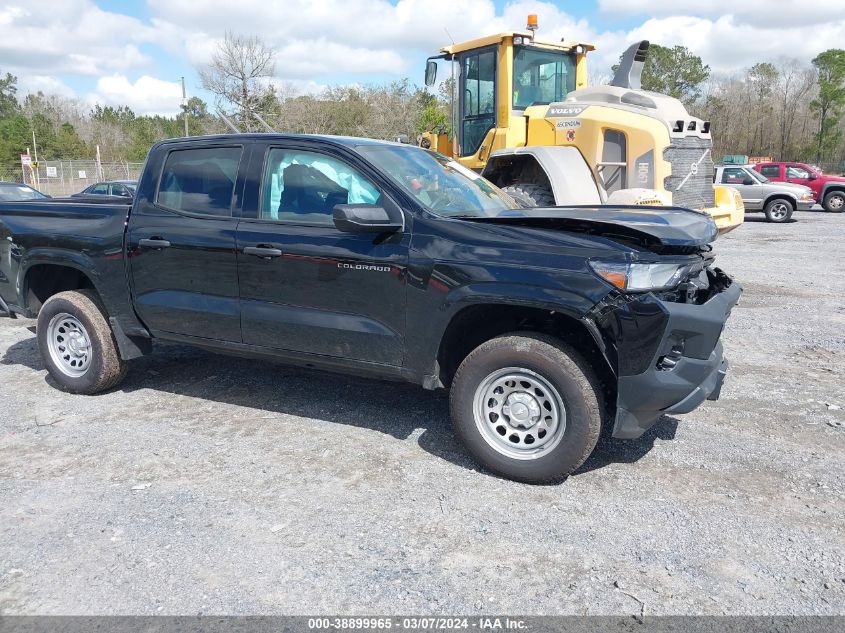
(691, 182)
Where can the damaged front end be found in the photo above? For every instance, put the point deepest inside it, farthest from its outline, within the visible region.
(664, 346)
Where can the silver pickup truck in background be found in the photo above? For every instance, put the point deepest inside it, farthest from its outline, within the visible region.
(778, 200)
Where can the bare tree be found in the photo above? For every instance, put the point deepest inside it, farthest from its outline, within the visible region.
(239, 76)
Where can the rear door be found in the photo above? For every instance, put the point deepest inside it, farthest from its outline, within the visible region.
(181, 243)
(306, 286)
(773, 172)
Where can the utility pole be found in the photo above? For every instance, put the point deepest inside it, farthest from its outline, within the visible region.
(185, 106)
(35, 162)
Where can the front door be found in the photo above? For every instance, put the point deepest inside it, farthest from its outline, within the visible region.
(478, 98)
(307, 287)
(798, 174)
(749, 187)
(181, 246)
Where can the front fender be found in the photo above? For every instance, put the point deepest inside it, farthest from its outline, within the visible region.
(427, 327)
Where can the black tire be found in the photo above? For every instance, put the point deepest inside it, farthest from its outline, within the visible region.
(531, 195)
(105, 369)
(834, 202)
(561, 367)
(779, 210)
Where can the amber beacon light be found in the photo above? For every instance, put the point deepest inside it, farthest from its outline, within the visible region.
(532, 22)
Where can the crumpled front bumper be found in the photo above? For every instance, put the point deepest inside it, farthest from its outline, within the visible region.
(675, 363)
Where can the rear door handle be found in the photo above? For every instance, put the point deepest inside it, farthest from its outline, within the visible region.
(267, 252)
(154, 242)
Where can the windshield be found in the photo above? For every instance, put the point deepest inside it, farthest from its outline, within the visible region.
(19, 192)
(756, 174)
(439, 183)
(541, 76)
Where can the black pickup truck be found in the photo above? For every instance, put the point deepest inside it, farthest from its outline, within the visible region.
(390, 261)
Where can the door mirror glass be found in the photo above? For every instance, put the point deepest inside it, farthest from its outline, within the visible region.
(813, 176)
(748, 181)
(430, 72)
(364, 218)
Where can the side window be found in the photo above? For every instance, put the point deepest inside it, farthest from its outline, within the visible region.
(200, 180)
(613, 168)
(793, 171)
(770, 171)
(479, 99)
(100, 190)
(304, 187)
(734, 176)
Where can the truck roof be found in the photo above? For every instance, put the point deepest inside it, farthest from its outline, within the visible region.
(348, 141)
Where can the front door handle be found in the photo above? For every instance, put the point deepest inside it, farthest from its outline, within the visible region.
(265, 252)
(154, 242)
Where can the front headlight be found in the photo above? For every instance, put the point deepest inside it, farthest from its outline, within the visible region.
(807, 196)
(639, 277)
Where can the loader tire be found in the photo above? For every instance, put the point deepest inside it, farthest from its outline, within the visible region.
(531, 195)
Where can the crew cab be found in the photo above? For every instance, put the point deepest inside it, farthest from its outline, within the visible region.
(828, 191)
(389, 261)
(777, 200)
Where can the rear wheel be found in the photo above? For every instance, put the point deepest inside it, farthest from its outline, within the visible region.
(77, 344)
(778, 210)
(531, 195)
(834, 202)
(527, 407)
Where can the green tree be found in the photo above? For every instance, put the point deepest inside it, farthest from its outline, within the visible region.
(674, 71)
(762, 78)
(830, 103)
(8, 96)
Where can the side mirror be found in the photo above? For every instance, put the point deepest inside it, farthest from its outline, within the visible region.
(813, 176)
(430, 72)
(747, 181)
(364, 218)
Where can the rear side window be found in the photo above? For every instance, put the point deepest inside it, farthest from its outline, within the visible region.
(101, 190)
(200, 180)
(734, 176)
(770, 171)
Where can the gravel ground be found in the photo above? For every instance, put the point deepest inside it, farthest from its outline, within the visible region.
(208, 484)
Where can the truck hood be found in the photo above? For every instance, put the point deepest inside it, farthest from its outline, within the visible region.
(651, 226)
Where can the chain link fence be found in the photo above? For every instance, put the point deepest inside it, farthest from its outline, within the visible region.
(59, 178)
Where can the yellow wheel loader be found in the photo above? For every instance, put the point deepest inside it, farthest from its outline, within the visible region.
(523, 116)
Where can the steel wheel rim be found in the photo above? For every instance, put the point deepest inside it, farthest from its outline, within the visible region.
(779, 211)
(69, 345)
(837, 202)
(519, 413)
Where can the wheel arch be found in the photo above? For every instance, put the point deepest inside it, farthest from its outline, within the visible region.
(793, 201)
(561, 168)
(477, 323)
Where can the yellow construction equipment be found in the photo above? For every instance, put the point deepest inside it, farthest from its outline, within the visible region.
(524, 116)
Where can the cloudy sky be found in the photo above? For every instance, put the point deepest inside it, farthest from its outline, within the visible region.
(134, 53)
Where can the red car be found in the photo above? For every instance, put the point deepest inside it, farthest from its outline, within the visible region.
(828, 190)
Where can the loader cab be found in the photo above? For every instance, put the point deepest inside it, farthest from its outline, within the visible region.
(496, 79)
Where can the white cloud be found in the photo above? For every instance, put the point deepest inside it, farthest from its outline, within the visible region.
(47, 84)
(748, 43)
(323, 41)
(147, 95)
(765, 13)
(69, 37)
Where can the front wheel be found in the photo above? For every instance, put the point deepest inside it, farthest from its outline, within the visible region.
(530, 195)
(527, 407)
(778, 211)
(77, 344)
(834, 202)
